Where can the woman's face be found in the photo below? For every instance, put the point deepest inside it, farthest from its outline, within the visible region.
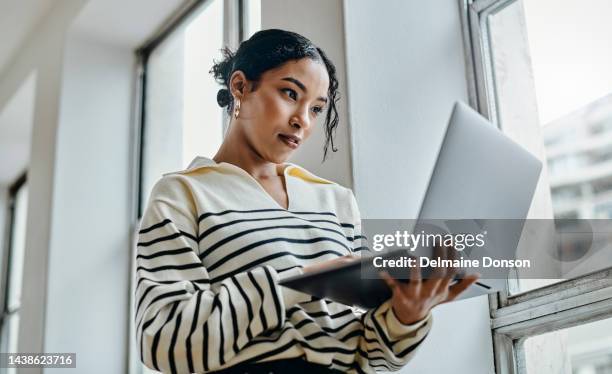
(281, 113)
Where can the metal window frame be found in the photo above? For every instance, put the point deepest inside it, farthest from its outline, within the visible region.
(7, 252)
(558, 306)
(514, 318)
(234, 30)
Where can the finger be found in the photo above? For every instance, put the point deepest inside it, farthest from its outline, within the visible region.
(446, 276)
(390, 281)
(442, 254)
(436, 255)
(443, 286)
(454, 255)
(344, 259)
(447, 254)
(457, 289)
(451, 271)
(415, 278)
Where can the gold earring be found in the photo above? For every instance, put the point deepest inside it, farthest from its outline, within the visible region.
(237, 109)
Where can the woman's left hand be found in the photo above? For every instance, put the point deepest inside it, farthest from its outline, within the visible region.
(411, 302)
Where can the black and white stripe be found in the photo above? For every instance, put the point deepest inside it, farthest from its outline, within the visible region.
(207, 294)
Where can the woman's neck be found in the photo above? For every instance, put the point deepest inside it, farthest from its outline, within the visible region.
(241, 154)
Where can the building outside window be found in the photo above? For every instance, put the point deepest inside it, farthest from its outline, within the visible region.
(579, 155)
(539, 70)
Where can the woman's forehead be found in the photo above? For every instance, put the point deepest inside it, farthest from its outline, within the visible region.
(312, 74)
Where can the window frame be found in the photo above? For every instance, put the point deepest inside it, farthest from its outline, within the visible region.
(236, 20)
(562, 305)
(7, 251)
(233, 34)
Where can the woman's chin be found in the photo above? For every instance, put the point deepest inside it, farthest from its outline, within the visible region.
(279, 158)
(275, 154)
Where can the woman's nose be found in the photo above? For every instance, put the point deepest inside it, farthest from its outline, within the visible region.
(296, 124)
(300, 120)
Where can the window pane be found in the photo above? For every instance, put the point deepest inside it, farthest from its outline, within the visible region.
(182, 117)
(253, 17)
(10, 325)
(584, 349)
(17, 250)
(10, 329)
(552, 82)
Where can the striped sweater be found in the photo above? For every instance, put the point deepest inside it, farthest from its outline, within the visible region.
(212, 247)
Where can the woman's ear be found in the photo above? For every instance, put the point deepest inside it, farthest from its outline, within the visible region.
(238, 84)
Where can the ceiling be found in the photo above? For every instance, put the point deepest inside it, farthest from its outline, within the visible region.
(126, 24)
(138, 20)
(15, 129)
(18, 18)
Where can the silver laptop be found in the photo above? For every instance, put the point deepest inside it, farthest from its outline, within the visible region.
(479, 175)
(484, 177)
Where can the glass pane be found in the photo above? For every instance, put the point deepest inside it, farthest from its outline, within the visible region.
(253, 17)
(10, 329)
(553, 83)
(17, 250)
(182, 117)
(584, 349)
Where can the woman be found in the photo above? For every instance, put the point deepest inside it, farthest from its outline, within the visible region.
(217, 238)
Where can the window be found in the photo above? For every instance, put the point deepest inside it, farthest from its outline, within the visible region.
(587, 349)
(12, 261)
(181, 115)
(180, 118)
(538, 69)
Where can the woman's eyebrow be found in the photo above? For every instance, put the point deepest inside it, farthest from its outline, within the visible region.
(302, 87)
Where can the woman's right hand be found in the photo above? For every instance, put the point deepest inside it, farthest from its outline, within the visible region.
(329, 263)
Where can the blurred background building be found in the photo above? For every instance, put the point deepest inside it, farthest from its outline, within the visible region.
(579, 156)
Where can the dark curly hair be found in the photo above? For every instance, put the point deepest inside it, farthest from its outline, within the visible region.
(266, 50)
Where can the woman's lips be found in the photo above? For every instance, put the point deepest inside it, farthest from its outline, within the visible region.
(288, 141)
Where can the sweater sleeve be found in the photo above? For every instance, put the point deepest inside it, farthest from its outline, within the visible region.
(185, 324)
(386, 343)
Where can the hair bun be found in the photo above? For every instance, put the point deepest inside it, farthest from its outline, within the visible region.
(223, 97)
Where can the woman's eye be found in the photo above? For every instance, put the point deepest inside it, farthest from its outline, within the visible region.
(292, 94)
(317, 110)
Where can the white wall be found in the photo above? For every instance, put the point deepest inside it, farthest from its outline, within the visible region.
(88, 279)
(16, 122)
(405, 69)
(321, 22)
(41, 53)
